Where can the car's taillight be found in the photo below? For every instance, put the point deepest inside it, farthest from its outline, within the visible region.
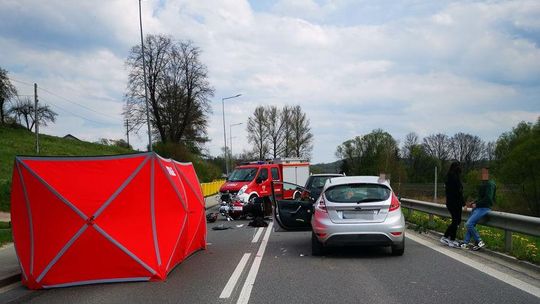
(394, 205)
(322, 204)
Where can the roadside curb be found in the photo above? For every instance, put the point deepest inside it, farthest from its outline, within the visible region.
(496, 254)
(211, 201)
(10, 279)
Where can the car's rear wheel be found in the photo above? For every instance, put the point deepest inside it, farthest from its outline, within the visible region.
(317, 248)
(398, 250)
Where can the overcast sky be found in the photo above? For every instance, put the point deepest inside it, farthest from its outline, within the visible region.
(353, 65)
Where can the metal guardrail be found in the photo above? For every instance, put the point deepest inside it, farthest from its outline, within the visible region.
(212, 187)
(508, 222)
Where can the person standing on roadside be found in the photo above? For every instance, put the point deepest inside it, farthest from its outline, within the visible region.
(454, 203)
(481, 207)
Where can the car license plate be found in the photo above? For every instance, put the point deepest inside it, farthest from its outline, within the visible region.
(356, 215)
(237, 208)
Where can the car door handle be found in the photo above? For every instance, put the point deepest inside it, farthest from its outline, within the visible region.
(296, 211)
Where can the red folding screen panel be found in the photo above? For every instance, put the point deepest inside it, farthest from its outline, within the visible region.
(84, 220)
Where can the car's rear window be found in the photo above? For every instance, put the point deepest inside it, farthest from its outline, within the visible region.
(317, 182)
(357, 193)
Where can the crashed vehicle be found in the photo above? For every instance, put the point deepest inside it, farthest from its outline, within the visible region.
(253, 180)
(351, 210)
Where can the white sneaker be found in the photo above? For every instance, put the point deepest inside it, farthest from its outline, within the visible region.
(453, 244)
(481, 244)
(444, 240)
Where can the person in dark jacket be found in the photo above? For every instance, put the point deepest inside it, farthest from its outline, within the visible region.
(481, 207)
(454, 203)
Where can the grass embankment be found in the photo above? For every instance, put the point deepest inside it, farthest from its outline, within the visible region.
(22, 142)
(5, 233)
(523, 247)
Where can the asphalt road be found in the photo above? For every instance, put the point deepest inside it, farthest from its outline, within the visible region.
(283, 271)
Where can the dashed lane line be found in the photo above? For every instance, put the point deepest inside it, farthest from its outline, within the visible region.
(252, 275)
(234, 277)
(257, 235)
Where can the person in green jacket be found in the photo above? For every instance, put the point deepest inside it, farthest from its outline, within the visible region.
(481, 207)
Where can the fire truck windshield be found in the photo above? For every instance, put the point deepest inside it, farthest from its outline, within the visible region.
(242, 175)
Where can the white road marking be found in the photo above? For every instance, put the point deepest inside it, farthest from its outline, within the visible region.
(234, 277)
(257, 235)
(535, 291)
(10, 287)
(252, 275)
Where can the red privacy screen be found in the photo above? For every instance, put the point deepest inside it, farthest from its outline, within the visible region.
(84, 220)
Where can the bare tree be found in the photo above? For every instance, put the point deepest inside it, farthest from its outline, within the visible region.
(7, 91)
(287, 140)
(489, 151)
(23, 110)
(301, 136)
(258, 132)
(411, 141)
(437, 146)
(466, 148)
(275, 126)
(178, 90)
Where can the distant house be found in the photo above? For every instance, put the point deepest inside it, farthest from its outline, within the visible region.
(69, 136)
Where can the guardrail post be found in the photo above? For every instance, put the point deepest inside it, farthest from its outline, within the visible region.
(508, 241)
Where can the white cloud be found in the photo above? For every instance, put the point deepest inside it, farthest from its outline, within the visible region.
(462, 66)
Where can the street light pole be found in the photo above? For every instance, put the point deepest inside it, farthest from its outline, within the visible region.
(224, 131)
(145, 83)
(230, 141)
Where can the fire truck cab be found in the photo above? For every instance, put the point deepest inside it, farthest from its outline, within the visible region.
(254, 179)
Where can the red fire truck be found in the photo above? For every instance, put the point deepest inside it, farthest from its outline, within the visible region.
(252, 180)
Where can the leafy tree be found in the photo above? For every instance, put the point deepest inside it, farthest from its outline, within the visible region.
(421, 165)
(518, 161)
(178, 91)
(371, 154)
(7, 91)
(24, 112)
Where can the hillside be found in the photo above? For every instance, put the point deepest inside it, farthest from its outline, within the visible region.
(22, 142)
(334, 167)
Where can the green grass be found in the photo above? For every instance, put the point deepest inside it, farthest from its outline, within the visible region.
(524, 247)
(5, 236)
(22, 142)
(5, 233)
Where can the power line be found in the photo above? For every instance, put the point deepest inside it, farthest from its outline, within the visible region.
(64, 98)
(72, 113)
(19, 81)
(76, 103)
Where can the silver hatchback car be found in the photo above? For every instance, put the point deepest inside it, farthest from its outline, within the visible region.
(352, 210)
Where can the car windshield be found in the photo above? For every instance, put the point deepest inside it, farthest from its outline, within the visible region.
(242, 175)
(317, 182)
(357, 193)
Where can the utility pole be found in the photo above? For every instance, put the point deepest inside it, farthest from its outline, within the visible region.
(145, 83)
(36, 118)
(435, 194)
(127, 131)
